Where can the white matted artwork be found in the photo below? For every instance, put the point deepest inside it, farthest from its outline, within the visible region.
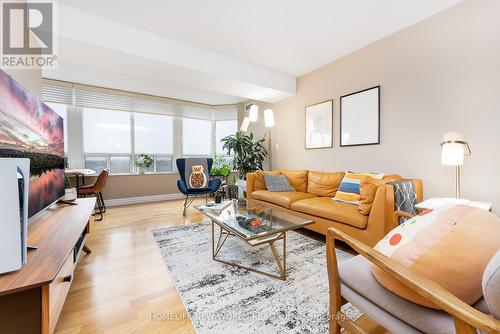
(360, 118)
(319, 125)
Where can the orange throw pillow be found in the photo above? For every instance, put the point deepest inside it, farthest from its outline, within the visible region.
(450, 246)
(260, 184)
(367, 190)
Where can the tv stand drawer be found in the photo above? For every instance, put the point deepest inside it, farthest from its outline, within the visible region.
(58, 290)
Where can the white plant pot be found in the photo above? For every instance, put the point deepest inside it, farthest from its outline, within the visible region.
(70, 194)
(242, 187)
(141, 170)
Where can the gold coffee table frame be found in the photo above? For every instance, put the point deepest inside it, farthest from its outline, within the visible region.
(269, 238)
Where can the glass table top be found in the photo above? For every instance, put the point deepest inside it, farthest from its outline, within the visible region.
(252, 224)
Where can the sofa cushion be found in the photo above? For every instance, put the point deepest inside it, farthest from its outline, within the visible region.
(284, 199)
(355, 273)
(491, 285)
(450, 245)
(297, 179)
(324, 184)
(327, 208)
(260, 184)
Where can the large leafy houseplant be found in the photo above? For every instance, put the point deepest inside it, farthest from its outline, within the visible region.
(248, 155)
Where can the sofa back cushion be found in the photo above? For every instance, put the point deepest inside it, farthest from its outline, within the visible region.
(260, 184)
(491, 285)
(297, 179)
(323, 183)
(450, 245)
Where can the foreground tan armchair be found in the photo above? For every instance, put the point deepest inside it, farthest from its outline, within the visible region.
(353, 282)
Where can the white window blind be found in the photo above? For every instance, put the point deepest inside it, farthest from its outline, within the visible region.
(153, 134)
(196, 136)
(103, 98)
(57, 92)
(106, 131)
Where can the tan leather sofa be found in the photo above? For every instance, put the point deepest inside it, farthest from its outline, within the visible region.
(313, 200)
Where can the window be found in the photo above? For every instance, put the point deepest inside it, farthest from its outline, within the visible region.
(163, 164)
(119, 164)
(106, 131)
(62, 110)
(196, 136)
(153, 134)
(96, 163)
(224, 129)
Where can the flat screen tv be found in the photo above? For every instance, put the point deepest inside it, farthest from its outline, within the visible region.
(30, 129)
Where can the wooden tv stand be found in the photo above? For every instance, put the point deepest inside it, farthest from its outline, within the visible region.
(31, 298)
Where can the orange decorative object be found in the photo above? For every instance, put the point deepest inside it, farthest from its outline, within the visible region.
(256, 223)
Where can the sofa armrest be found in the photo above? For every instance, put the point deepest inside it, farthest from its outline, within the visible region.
(250, 183)
(381, 219)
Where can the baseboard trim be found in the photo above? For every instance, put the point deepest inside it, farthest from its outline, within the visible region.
(142, 199)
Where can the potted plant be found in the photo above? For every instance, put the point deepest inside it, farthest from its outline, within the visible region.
(248, 156)
(143, 162)
(232, 188)
(220, 166)
(70, 191)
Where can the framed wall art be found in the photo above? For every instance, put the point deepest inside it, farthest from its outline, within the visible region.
(360, 118)
(319, 125)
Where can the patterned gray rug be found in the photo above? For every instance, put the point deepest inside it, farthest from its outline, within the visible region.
(225, 299)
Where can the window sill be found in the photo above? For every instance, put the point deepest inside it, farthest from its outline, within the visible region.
(145, 174)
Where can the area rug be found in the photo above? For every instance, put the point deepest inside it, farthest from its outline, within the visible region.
(224, 299)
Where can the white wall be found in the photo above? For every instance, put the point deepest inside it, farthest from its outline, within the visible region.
(442, 74)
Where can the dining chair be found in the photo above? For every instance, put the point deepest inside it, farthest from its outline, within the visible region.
(95, 189)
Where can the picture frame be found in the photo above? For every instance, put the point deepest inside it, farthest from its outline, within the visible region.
(360, 118)
(319, 125)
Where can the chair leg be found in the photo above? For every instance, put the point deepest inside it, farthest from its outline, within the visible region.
(99, 207)
(102, 202)
(185, 205)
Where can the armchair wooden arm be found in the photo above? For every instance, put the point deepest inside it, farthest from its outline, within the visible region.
(399, 214)
(466, 318)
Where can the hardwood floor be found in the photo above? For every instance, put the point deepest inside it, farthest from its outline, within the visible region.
(123, 286)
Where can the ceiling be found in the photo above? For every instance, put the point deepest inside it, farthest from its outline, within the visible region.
(219, 51)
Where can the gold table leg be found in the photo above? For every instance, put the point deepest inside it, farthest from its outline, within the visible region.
(281, 262)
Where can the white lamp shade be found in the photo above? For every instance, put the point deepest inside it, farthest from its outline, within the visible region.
(254, 113)
(244, 124)
(269, 118)
(453, 149)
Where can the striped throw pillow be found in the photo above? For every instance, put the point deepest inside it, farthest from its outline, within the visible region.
(349, 187)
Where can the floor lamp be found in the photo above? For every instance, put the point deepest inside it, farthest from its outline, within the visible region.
(453, 149)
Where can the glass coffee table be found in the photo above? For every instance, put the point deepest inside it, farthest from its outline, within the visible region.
(254, 226)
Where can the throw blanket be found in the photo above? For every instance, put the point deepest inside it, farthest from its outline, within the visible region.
(196, 173)
(405, 198)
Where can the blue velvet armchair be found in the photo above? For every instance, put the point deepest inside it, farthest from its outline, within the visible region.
(192, 193)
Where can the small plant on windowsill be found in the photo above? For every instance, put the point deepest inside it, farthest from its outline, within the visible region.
(143, 162)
